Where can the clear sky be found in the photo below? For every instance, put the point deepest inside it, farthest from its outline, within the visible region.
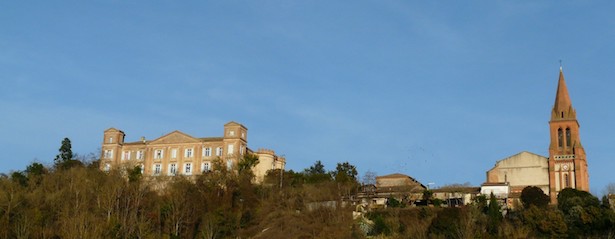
(438, 90)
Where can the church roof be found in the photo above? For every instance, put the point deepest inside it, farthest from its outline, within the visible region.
(562, 108)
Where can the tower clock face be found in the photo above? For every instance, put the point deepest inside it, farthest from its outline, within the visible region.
(565, 167)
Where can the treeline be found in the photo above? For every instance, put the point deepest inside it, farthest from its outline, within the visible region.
(578, 214)
(74, 199)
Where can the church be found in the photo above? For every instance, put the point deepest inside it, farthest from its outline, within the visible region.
(566, 166)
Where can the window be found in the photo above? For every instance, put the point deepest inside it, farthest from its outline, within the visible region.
(110, 140)
(188, 153)
(108, 154)
(568, 137)
(207, 152)
(243, 135)
(560, 137)
(157, 169)
(231, 149)
(566, 180)
(158, 154)
(139, 154)
(172, 169)
(126, 155)
(229, 164)
(241, 149)
(205, 167)
(231, 133)
(107, 167)
(188, 168)
(173, 153)
(219, 151)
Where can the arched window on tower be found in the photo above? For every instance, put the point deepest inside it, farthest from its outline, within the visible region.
(560, 137)
(562, 114)
(568, 137)
(566, 180)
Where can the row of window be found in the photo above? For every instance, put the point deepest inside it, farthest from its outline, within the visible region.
(560, 136)
(188, 153)
(173, 170)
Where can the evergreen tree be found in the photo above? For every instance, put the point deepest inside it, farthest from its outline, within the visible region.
(66, 152)
(494, 214)
(64, 159)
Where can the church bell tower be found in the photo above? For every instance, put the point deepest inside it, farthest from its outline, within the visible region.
(567, 162)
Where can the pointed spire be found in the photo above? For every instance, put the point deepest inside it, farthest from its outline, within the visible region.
(563, 106)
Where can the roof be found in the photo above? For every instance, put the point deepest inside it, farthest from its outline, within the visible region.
(512, 156)
(177, 136)
(494, 184)
(395, 175)
(399, 175)
(234, 123)
(457, 189)
(113, 129)
(562, 108)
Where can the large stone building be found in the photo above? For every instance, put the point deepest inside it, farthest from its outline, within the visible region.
(178, 153)
(566, 166)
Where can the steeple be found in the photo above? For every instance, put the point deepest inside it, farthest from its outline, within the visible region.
(562, 109)
(567, 160)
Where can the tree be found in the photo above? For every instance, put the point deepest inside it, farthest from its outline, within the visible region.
(134, 174)
(345, 172)
(35, 169)
(316, 173)
(369, 178)
(247, 162)
(317, 168)
(64, 160)
(494, 214)
(583, 213)
(446, 223)
(66, 152)
(532, 195)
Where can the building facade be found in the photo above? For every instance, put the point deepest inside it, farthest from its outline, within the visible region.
(178, 153)
(521, 170)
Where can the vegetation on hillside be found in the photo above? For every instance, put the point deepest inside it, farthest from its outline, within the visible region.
(74, 199)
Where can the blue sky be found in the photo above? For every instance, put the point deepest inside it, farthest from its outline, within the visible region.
(433, 89)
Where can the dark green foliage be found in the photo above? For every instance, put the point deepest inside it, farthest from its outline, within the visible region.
(64, 160)
(532, 195)
(66, 152)
(316, 173)
(380, 226)
(427, 195)
(134, 174)
(446, 223)
(35, 169)
(494, 214)
(392, 202)
(247, 162)
(345, 172)
(584, 214)
(19, 178)
(545, 222)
